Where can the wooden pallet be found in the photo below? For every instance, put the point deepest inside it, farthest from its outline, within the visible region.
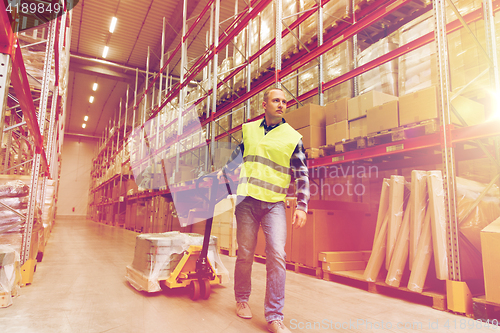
(486, 311)
(436, 299)
(402, 133)
(344, 146)
(231, 252)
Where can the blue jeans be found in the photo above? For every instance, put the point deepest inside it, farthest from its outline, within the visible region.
(250, 213)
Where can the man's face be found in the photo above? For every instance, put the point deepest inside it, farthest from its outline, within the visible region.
(275, 106)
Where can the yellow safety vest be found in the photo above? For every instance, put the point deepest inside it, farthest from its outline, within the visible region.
(265, 174)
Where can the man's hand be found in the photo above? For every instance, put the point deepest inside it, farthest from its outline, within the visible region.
(299, 219)
(220, 174)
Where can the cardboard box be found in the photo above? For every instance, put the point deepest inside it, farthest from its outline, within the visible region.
(383, 117)
(336, 112)
(422, 105)
(343, 266)
(338, 256)
(357, 128)
(490, 248)
(357, 106)
(308, 115)
(337, 132)
(313, 136)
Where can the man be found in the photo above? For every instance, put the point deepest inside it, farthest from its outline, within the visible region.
(271, 149)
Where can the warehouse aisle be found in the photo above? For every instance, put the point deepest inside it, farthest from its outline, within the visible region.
(80, 287)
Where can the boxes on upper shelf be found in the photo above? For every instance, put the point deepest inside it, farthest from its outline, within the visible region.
(383, 117)
(422, 105)
(307, 115)
(357, 106)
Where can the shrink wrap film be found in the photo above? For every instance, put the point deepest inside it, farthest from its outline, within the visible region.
(383, 78)
(157, 255)
(240, 55)
(10, 275)
(418, 201)
(338, 61)
(383, 205)
(395, 212)
(254, 26)
(224, 91)
(378, 253)
(438, 223)
(309, 28)
(400, 255)
(308, 78)
(423, 257)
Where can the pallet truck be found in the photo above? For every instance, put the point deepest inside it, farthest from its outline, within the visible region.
(194, 269)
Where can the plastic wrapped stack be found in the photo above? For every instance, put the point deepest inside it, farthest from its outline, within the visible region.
(10, 275)
(308, 77)
(383, 78)
(418, 69)
(157, 255)
(224, 92)
(240, 43)
(12, 226)
(338, 61)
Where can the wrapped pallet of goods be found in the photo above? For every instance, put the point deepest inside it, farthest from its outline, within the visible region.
(10, 275)
(240, 55)
(12, 226)
(383, 78)
(157, 255)
(339, 61)
(268, 32)
(224, 92)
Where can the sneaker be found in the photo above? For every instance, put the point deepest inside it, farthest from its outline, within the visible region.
(277, 326)
(243, 310)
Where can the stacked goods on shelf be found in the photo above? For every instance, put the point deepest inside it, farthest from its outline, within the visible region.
(337, 126)
(309, 121)
(357, 108)
(12, 226)
(48, 212)
(418, 69)
(490, 246)
(471, 222)
(422, 235)
(254, 26)
(383, 78)
(422, 105)
(338, 61)
(333, 11)
(268, 32)
(240, 56)
(157, 255)
(10, 275)
(383, 117)
(225, 90)
(308, 78)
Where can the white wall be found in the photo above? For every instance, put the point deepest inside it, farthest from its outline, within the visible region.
(76, 163)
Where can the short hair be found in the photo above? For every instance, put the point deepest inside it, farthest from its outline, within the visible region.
(268, 90)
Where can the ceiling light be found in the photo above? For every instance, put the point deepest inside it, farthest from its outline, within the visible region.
(86, 118)
(113, 24)
(105, 52)
(84, 125)
(94, 87)
(91, 99)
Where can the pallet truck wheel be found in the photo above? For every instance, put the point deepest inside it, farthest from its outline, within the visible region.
(205, 289)
(194, 290)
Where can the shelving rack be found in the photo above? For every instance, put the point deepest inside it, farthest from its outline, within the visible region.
(34, 133)
(376, 16)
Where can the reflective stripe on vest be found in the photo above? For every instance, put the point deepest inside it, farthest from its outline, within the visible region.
(265, 174)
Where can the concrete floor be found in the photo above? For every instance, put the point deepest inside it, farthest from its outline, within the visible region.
(80, 286)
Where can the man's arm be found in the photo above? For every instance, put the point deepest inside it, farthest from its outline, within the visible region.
(301, 174)
(234, 161)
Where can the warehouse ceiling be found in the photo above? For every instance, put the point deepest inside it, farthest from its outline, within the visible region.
(138, 27)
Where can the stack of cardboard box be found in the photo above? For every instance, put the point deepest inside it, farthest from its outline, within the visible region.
(337, 126)
(309, 121)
